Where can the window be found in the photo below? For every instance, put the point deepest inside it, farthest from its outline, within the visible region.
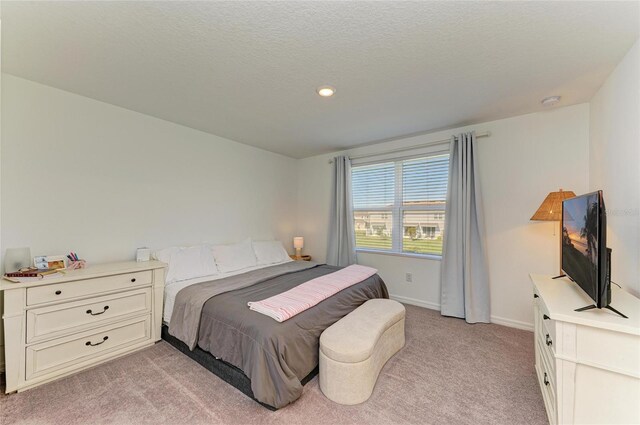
(399, 205)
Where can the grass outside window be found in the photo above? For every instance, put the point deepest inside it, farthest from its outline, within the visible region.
(384, 243)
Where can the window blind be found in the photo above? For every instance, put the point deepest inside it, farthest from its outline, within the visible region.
(373, 186)
(399, 205)
(424, 180)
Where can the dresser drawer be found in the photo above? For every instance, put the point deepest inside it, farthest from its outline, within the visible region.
(60, 319)
(78, 289)
(546, 377)
(57, 354)
(545, 327)
(544, 341)
(549, 333)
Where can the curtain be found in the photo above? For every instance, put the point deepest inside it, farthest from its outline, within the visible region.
(341, 249)
(463, 271)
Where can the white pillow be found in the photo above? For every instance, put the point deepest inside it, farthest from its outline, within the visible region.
(187, 262)
(270, 252)
(164, 255)
(234, 257)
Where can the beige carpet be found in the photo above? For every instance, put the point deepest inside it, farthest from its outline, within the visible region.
(448, 373)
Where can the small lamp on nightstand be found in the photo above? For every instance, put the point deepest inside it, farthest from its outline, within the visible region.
(298, 244)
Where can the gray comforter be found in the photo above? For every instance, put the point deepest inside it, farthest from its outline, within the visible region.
(187, 308)
(275, 356)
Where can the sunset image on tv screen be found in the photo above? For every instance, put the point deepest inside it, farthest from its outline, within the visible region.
(580, 241)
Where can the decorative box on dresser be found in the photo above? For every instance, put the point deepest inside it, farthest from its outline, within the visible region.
(57, 326)
(588, 363)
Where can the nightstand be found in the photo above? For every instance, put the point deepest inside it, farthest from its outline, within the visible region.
(302, 257)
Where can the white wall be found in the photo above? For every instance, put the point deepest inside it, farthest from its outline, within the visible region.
(1, 249)
(614, 152)
(82, 175)
(525, 158)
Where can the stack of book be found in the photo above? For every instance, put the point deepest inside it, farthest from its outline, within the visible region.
(31, 274)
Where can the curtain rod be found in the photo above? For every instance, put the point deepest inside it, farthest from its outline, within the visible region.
(424, 145)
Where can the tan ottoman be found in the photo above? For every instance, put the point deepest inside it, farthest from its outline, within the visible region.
(354, 350)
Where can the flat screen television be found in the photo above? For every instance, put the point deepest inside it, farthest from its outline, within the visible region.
(584, 246)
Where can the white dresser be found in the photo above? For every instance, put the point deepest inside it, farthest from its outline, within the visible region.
(58, 326)
(588, 363)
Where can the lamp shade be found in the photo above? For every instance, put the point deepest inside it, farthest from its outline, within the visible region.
(551, 207)
(298, 242)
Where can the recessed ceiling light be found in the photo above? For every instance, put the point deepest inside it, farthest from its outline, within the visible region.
(550, 101)
(326, 91)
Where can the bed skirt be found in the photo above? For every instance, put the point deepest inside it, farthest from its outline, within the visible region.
(225, 371)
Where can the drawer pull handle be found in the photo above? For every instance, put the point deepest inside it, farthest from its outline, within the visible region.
(133, 279)
(58, 292)
(106, 307)
(535, 296)
(546, 380)
(88, 343)
(545, 317)
(547, 340)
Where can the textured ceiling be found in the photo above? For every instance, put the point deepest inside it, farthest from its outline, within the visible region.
(248, 71)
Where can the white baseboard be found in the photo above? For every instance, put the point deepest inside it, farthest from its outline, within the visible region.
(413, 301)
(435, 306)
(512, 323)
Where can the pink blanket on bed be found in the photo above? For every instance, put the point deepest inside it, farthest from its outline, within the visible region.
(296, 300)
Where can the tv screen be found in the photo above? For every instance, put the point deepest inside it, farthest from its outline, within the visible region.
(582, 242)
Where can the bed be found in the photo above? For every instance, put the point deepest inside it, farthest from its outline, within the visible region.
(266, 360)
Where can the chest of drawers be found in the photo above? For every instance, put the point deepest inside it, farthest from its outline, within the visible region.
(58, 326)
(588, 363)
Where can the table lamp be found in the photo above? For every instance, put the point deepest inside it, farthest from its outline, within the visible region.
(298, 244)
(551, 210)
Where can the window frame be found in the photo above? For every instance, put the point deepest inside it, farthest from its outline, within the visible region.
(398, 209)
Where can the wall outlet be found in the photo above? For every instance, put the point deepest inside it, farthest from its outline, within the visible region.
(408, 277)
